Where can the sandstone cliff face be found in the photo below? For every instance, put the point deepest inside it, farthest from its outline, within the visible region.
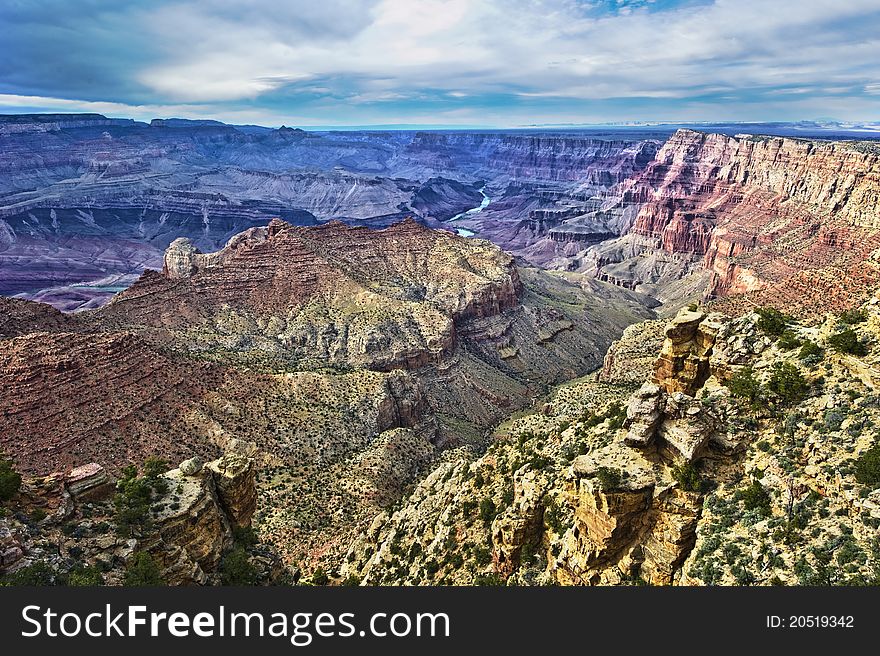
(631, 358)
(190, 530)
(770, 218)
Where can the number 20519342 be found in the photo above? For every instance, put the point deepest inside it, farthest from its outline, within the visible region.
(810, 622)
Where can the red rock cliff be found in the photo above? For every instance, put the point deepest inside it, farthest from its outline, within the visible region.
(784, 221)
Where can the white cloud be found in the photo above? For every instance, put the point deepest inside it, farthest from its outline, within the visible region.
(538, 47)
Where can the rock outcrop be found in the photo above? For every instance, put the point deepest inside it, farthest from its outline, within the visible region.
(195, 519)
(596, 496)
(381, 299)
(189, 529)
(631, 358)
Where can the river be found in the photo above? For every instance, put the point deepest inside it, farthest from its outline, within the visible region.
(464, 232)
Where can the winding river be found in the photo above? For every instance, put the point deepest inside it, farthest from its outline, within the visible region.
(464, 232)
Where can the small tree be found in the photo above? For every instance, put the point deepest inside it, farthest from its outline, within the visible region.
(237, 569)
(142, 571)
(787, 384)
(10, 480)
(744, 385)
(135, 495)
(772, 321)
(848, 342)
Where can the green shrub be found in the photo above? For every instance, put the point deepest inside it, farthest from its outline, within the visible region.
(755, 497)
(10, 480)
(853, 316)
(744, 385)
(787, 384)
(85, 576)
(608, 478)
(320, 577)
(772, 321)
(811, 353)
(688, 477)
(141, 571)
(237, 569)
(833, 419)
(788, 340)
(848, 342)
(867, 467)
(488, 511)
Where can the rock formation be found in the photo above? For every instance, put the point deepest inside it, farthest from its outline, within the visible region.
(773, 220)
(694, 484)
(190, 525)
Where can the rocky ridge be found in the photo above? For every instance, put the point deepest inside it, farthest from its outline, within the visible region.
(67, 524)
(708, 473)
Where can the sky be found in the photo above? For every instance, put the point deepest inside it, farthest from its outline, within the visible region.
(466, 63)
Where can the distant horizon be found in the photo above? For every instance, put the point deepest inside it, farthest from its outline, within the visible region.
(450, 64)
(813, 123)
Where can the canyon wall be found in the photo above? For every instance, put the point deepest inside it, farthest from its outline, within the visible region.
(780, 221)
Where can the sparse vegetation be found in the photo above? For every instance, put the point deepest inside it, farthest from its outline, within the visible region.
(772, 321)
(85, 576)
(142, 570)
(10, 480)
(848, 342)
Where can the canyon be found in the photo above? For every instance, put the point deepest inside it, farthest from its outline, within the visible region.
(440, 356)
(350, 357)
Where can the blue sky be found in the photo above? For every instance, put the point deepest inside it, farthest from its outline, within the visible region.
(443, 62)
